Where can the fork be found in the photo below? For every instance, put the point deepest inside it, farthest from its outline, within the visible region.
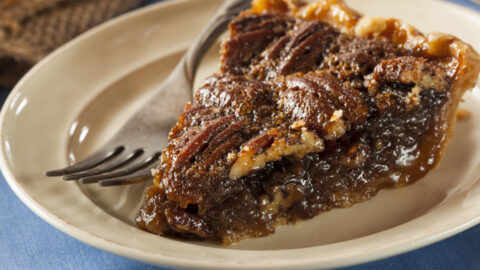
(136, 147)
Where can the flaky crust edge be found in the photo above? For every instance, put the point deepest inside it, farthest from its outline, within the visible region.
(431, 45)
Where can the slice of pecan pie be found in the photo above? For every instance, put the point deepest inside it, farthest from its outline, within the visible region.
(315, 107)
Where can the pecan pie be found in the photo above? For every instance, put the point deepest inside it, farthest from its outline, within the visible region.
(314, 107)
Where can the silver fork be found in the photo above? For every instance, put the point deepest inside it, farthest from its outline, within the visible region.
(136, 148)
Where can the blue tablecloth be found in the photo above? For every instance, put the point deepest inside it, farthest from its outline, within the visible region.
(28, 242)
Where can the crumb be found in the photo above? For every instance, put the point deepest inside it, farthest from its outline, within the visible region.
(463, 114)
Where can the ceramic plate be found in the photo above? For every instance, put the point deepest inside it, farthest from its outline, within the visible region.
(78, 96)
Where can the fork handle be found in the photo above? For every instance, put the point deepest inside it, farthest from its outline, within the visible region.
(210, 32)
(161, 110)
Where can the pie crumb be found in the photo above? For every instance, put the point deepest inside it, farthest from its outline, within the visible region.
(463, 114)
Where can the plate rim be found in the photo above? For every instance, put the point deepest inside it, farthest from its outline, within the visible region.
(138, 254)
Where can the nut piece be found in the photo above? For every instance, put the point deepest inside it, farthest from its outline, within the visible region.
(249, 160)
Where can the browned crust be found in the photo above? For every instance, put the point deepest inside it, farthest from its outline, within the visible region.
(431, 45)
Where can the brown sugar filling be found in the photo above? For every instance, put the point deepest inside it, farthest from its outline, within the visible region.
(308, 113)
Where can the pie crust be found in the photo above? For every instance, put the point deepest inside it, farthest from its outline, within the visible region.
(314, 107)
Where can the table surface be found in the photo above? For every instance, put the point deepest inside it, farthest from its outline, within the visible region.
(28, 242)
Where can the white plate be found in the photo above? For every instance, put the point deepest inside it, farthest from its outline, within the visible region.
(75, 99)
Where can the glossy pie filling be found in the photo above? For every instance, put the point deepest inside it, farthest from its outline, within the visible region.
(308, 112)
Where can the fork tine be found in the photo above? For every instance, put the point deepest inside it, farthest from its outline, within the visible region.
(122, 172)
(126, 180)
(115, 164)
(89, 162)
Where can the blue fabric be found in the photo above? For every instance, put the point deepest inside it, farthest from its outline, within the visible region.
(28, 242)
